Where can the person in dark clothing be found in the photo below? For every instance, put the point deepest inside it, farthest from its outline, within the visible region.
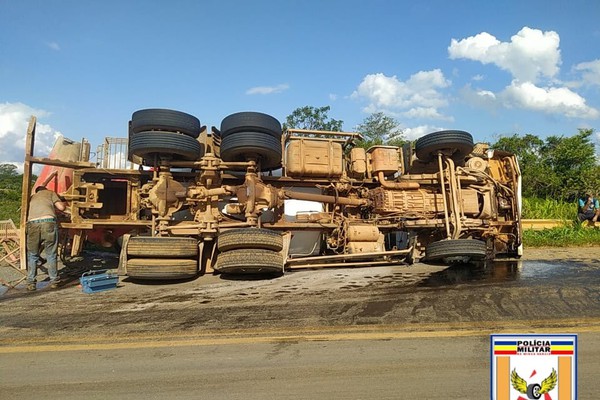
(42, 234)
(589, 208)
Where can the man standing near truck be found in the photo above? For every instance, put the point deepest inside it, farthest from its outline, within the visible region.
(42, 233)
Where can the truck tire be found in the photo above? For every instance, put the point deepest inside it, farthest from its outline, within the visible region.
(249, 261)
(240, 146)
(146, 144)
(161, 268)
(457, 144)
(162, 247)
(456, 250)
(250, 122)
(158, 119)
(249, 238)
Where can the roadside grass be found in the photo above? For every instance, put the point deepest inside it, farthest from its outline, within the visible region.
(535, 208)
(571, 234)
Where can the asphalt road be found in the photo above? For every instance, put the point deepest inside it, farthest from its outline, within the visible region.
(401, 332)
(357, 368)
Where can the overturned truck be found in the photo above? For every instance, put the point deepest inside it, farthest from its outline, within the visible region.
(249, 198)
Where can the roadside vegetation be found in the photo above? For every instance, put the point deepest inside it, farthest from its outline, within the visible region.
(556, 172)
(572, 233)
(536, 208)
(10, 193)
(566, 236)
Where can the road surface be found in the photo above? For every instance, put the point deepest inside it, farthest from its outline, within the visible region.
(386, 333)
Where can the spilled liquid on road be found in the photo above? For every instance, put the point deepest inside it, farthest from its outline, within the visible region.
(527, 272)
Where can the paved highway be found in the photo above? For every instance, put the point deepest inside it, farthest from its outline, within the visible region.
(385, 333)
(441, 366)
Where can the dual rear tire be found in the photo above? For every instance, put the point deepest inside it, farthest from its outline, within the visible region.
(252, 135)
(246, 251)
(160, 133)
(158, 258)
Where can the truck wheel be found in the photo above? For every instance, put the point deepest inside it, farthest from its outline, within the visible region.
(249, 238)
(249, 261)
(250, 122)
(240, 146)
(158, 119)
(146, 144)
(456, 144)
(456, 250)
(161, 268)
(162, 247)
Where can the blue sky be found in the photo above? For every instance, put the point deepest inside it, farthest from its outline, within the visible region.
(490, 68)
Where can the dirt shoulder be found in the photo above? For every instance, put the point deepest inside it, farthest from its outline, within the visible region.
(562, 253)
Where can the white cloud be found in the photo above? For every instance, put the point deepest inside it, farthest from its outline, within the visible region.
(417, 97)
(480, 98)
(14, 120)
(530, 54)
(550, 100)
(590, 72)
(418, 131)
(486, 94)
(477, 78)
(425, 113)
(333, 97)
(268, 89)
(53, 45)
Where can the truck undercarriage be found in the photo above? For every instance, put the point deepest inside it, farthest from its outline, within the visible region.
(247, 198)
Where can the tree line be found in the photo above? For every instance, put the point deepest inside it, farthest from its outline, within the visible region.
(10, 192)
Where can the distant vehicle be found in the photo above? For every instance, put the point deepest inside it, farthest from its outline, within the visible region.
(247, 198)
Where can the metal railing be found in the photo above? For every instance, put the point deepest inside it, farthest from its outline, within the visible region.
(113, 154)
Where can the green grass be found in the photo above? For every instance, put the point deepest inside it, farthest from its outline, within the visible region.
(566, 236)
(534, 208)
(572, 234)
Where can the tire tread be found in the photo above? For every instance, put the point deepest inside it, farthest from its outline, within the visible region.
(163, 268)
(162, 247)
(249, 261)
(160, 119)
(249, 238)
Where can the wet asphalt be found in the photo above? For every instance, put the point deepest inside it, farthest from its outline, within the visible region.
(546, 290)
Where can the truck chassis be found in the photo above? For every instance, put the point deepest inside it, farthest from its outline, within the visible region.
(226, 200)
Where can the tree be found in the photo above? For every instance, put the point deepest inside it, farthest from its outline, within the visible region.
(573, 159)
(8, 170)
(530, 151)
(379, 128)
(312, 118)
(10, 192)
(9, 178)
(559, 167)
